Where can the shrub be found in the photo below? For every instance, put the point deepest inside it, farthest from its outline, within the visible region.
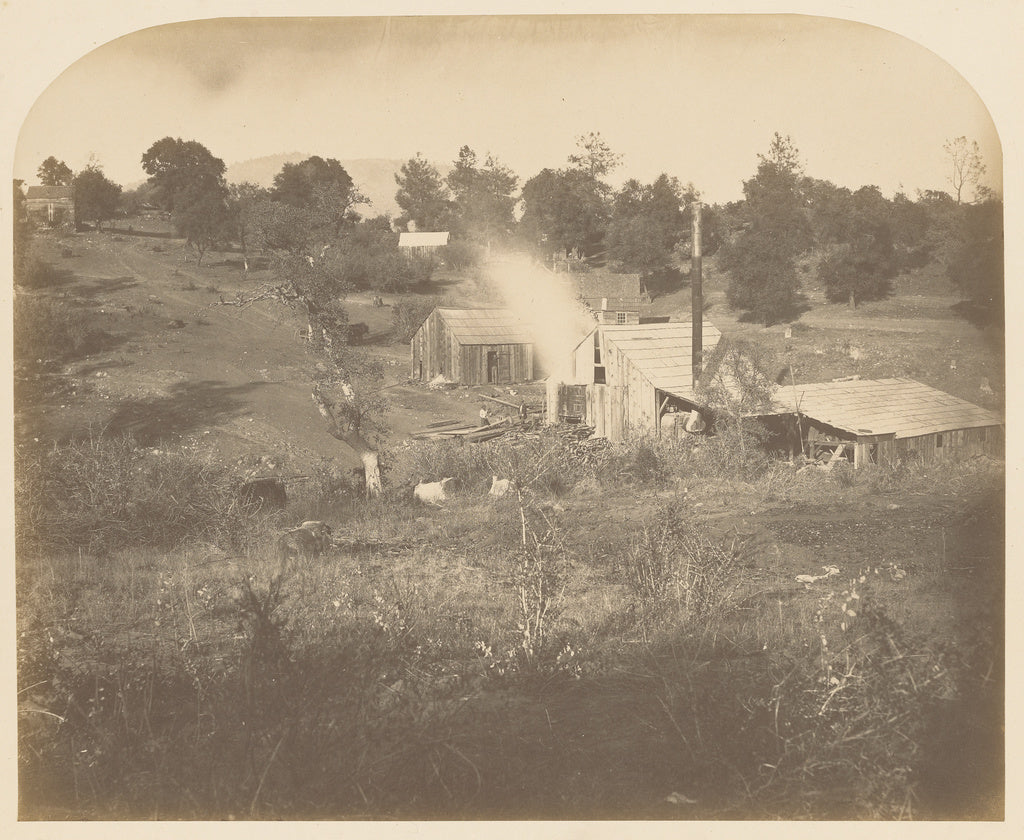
(433, 460)
(675, 561)
(107, 493)
(45, 329)
(460, 255)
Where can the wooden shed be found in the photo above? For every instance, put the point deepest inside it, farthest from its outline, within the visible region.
(473, 347)
(879, 421)
(634, 374)
(422, 242)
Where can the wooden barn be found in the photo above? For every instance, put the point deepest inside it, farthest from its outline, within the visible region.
(473, 347)
(612, 298)
(51, 205)
(627, 379)
(880, 421)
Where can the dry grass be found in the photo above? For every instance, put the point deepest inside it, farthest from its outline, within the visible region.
(537, 655)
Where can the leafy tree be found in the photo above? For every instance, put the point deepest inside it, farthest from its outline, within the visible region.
(976, 263)
(322, 188)
(181, 170)
(96, 198)
(483, 198)
(564, 209)
(966, 165)
(909, 224)
(594, 156)
(827, 206)
(203, 217)
(278, 227)
(55, 173)
(944, 225)
(242, 201)
(863, 264)
(761, 260)
(423, 196)
(648, 221)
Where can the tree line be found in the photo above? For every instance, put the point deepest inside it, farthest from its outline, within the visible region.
(853, 243)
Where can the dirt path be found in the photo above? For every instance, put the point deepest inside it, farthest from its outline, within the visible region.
(181, 368)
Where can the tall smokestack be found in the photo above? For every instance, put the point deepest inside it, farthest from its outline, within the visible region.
(696, 299)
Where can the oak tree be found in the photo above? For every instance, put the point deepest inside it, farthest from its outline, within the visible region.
(54, 173)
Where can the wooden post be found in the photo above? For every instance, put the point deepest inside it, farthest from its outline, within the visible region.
(696, 300)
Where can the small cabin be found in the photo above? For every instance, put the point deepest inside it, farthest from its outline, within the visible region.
(473, 347)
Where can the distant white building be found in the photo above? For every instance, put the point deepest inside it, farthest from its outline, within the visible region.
(420, 242)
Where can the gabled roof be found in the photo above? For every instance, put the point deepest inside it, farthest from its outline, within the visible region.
(662, 352)
(50, 193)
(901, 407)
(485, 326)
(612, 304)
(600, 284)
(422, 239)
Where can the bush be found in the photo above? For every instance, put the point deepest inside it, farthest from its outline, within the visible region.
(45, 329)
(675, 562)
(461, 255)
(107, 493)
(432, 460)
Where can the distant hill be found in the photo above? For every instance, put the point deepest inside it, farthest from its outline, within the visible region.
(375, 177)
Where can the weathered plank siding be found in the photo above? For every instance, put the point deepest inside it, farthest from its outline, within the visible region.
(945, 446)
(480, 364)
(606, 411)
(431, 349)
(437, 349)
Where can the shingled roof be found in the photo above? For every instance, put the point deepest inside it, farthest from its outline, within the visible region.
(662, 352)
(485, 326)
(901, 407)
(49, 193)
(605, 285)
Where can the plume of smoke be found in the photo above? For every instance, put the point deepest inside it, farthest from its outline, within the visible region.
(548, 304)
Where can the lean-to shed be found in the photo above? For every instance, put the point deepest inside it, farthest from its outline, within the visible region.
(631, 375)
(883, 420)
(473, 347)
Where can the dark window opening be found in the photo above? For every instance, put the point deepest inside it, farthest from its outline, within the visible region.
(938, 441)
(599, 375)
(620, 317)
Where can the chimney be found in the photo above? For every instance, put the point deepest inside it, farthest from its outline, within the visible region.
(696, 300)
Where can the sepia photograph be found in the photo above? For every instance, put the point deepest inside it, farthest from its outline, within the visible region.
(487, 416)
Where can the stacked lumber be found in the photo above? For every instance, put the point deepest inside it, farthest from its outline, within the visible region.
(460, 429)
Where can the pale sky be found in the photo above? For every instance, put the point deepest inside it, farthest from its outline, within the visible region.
(697, 97)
